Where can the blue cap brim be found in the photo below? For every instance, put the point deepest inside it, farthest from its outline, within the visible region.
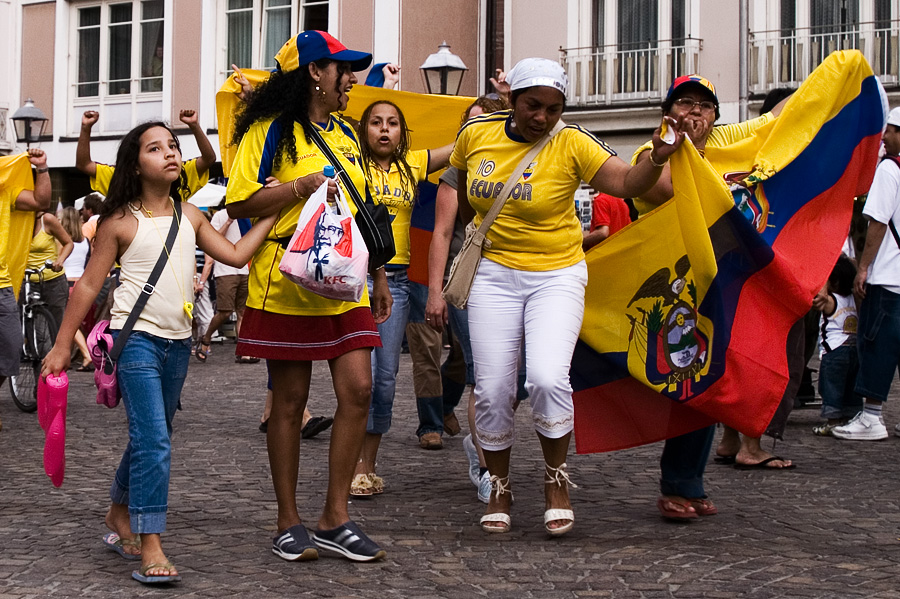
(359, 61)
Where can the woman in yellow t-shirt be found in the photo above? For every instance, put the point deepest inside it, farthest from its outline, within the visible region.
(283, 322)
(394, 173)
(50, 243)
(530, 282)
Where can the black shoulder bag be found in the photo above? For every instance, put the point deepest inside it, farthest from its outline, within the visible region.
(373, 220)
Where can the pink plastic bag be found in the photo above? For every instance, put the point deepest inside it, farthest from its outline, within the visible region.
(327, 254)
(100, 343)
(52, 399)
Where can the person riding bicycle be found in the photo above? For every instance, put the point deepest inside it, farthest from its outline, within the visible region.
(16, 196)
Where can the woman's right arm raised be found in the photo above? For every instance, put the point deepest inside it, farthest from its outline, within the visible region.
(103, 256)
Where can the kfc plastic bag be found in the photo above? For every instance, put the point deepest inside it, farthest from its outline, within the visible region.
(327, 254)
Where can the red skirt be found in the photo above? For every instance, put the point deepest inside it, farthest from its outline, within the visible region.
(305, 338)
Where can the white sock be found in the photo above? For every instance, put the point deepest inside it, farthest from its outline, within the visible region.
(873, 409)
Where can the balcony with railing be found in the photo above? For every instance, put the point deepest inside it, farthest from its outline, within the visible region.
(627, 74)
(786, 58)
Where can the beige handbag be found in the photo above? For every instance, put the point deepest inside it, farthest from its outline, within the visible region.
(465, 265)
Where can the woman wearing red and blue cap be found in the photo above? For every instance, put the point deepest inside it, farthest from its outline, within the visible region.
(285, 324)
(692, 100)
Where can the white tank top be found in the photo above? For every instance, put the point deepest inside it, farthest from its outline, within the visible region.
(75, 263)
(164, 315)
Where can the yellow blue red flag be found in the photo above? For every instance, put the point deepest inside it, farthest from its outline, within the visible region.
(688, 309)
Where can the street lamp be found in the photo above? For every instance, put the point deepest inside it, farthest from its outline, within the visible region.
(443, 71)
(29, 123)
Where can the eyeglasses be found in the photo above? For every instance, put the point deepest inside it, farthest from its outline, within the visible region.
(688, 104)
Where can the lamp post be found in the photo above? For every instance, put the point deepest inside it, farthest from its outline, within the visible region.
(29, 123)
(443, 71)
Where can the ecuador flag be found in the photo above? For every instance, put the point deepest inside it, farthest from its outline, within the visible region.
(15, 176)
(688, 309)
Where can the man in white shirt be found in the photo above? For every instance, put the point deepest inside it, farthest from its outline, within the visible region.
(877, 285)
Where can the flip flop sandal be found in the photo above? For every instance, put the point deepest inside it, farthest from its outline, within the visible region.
(377, 483)
(764, 465)
(725, 460)
(703, 506)
(667, 511)
(361, 486)
(116, 543)
(201, 353)
(142, 577)
(246, 360)
(315, 425)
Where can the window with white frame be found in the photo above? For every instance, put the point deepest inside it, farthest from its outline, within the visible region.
(256, 29)
(119, 48)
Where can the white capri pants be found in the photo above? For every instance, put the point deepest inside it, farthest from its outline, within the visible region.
(546, 308)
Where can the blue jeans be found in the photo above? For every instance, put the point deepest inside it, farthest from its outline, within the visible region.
(837, 378)
(386, 359)
(150, 372)
(878, 341)
(683, 462)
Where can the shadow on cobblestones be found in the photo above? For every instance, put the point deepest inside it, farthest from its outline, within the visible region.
(827, 529)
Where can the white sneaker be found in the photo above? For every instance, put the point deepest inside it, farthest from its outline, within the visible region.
(897, 430)
(863, 427)
(484, 487)
(472, 454)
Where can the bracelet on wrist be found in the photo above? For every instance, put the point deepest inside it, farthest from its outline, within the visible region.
(43, 169)
(294, 190)
(655, 163)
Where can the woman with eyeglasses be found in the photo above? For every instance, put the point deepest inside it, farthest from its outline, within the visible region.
(692, 99)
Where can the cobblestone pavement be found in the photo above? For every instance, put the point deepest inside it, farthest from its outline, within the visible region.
(827, 529)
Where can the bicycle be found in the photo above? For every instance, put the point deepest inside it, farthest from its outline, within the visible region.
(39, 329)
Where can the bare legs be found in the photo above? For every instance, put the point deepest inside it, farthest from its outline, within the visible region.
(290, 385)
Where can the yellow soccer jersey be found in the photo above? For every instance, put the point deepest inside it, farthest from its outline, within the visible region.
(722, 135)
(253, 163)
(100, 180)
(399, 196)
(8, 197)
(537, 229)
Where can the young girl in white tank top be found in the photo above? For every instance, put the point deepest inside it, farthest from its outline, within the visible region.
(133, 226)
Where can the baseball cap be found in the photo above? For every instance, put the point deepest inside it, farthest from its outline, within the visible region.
(894, 117)
(310, 46)
(695, 81)
(530, 72)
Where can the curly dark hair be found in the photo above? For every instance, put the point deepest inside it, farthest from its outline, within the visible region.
(126, 185)
(407, 180)
(284, 96)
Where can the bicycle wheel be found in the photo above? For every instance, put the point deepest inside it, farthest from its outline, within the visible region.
(40, 335)
(23, 386)
(41, 332)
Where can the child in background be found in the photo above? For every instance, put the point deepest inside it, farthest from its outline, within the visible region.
(152, 367)
(837, 372)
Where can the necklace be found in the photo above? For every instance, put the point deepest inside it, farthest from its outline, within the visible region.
(188, 306)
